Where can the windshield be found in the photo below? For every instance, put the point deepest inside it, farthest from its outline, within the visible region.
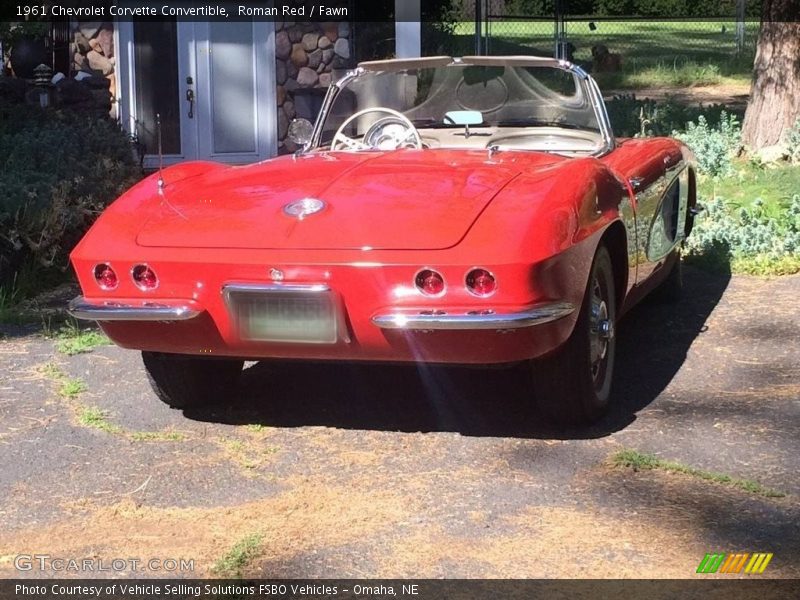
(455, 106)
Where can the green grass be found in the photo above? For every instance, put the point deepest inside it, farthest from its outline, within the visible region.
(157, 436)
(9, 311)
(250, 455)
(71, 388)
(71, 339)
(256, 427)
(238, 557)
(52, 371)
(638, 461)
(91, 416)
(68, 387)
(688, 73)
(774, 184)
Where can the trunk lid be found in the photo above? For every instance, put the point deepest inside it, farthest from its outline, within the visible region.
(397, 200)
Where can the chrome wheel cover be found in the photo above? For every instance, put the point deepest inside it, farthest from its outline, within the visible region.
(601, 334)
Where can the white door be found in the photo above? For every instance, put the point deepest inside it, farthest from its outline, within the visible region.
(213, 85)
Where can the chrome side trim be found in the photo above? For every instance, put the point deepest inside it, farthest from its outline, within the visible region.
(132, 310)
(536, 315)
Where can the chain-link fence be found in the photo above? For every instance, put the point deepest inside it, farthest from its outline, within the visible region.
(636, 41)
(628, 53)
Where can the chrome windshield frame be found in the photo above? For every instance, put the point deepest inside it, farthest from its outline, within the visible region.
(590, 86)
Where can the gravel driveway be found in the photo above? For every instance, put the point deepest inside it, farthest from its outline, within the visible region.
(398, 471)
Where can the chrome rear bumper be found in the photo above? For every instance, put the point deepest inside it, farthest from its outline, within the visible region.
(438, 320)
(131, 310)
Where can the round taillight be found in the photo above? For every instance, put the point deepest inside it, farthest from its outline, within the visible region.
(144, 277)
(481, 282)
(105, 277)
(429, 282)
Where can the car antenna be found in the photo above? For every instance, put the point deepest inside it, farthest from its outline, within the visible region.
(160, 155)
(161, 183)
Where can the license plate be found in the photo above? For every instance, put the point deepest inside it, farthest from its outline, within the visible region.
(292, 316)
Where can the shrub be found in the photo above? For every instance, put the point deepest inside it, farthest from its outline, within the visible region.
(58, 170)
(752, 234)
(631, 116)
(714, 147)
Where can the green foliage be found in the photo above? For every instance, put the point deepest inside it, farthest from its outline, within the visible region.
(793, 142)
(11, 31)
(663, 8)
(757, 239)
(375, 35)
(741, 231)
(638, 117)
(530, 7)
(713, 146)
(58, 170)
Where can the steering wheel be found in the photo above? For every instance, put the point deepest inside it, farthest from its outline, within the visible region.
(389, 133)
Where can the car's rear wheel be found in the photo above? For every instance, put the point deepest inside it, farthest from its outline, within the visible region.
(186, 381)
(574, 384)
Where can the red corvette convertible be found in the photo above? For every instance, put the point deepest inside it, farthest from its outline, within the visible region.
(472, 210)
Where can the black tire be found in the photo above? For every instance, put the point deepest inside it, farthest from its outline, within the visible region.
(573, 385)
(185, 381)
(670, 291)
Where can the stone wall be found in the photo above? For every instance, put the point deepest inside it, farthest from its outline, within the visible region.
(308, 56)
(92, 51)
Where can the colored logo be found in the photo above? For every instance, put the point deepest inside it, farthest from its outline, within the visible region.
(738, 562)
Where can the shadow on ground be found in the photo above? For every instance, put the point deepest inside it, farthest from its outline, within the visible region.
(653, 343)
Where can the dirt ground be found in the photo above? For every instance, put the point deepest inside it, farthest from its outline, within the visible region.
(392, 471)
(732, 95)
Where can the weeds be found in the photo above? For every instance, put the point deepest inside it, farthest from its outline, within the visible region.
(256, 427)
(759, 239)
(71, 388)
(249, 455)
(71, 339)
(91, 416)
(52, 371)
(96, 418)
(238, 557)
(157, 436)
(638, 461)
(9, 296)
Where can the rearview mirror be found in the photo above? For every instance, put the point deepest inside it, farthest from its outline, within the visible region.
(300, 131)
(464, 117)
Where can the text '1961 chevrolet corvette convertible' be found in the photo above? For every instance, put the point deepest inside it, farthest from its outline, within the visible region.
(473, 210)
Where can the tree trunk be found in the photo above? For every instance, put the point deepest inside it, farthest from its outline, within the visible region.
(774, 103)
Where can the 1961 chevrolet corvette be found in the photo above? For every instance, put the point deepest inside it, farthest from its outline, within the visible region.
(473, 210)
